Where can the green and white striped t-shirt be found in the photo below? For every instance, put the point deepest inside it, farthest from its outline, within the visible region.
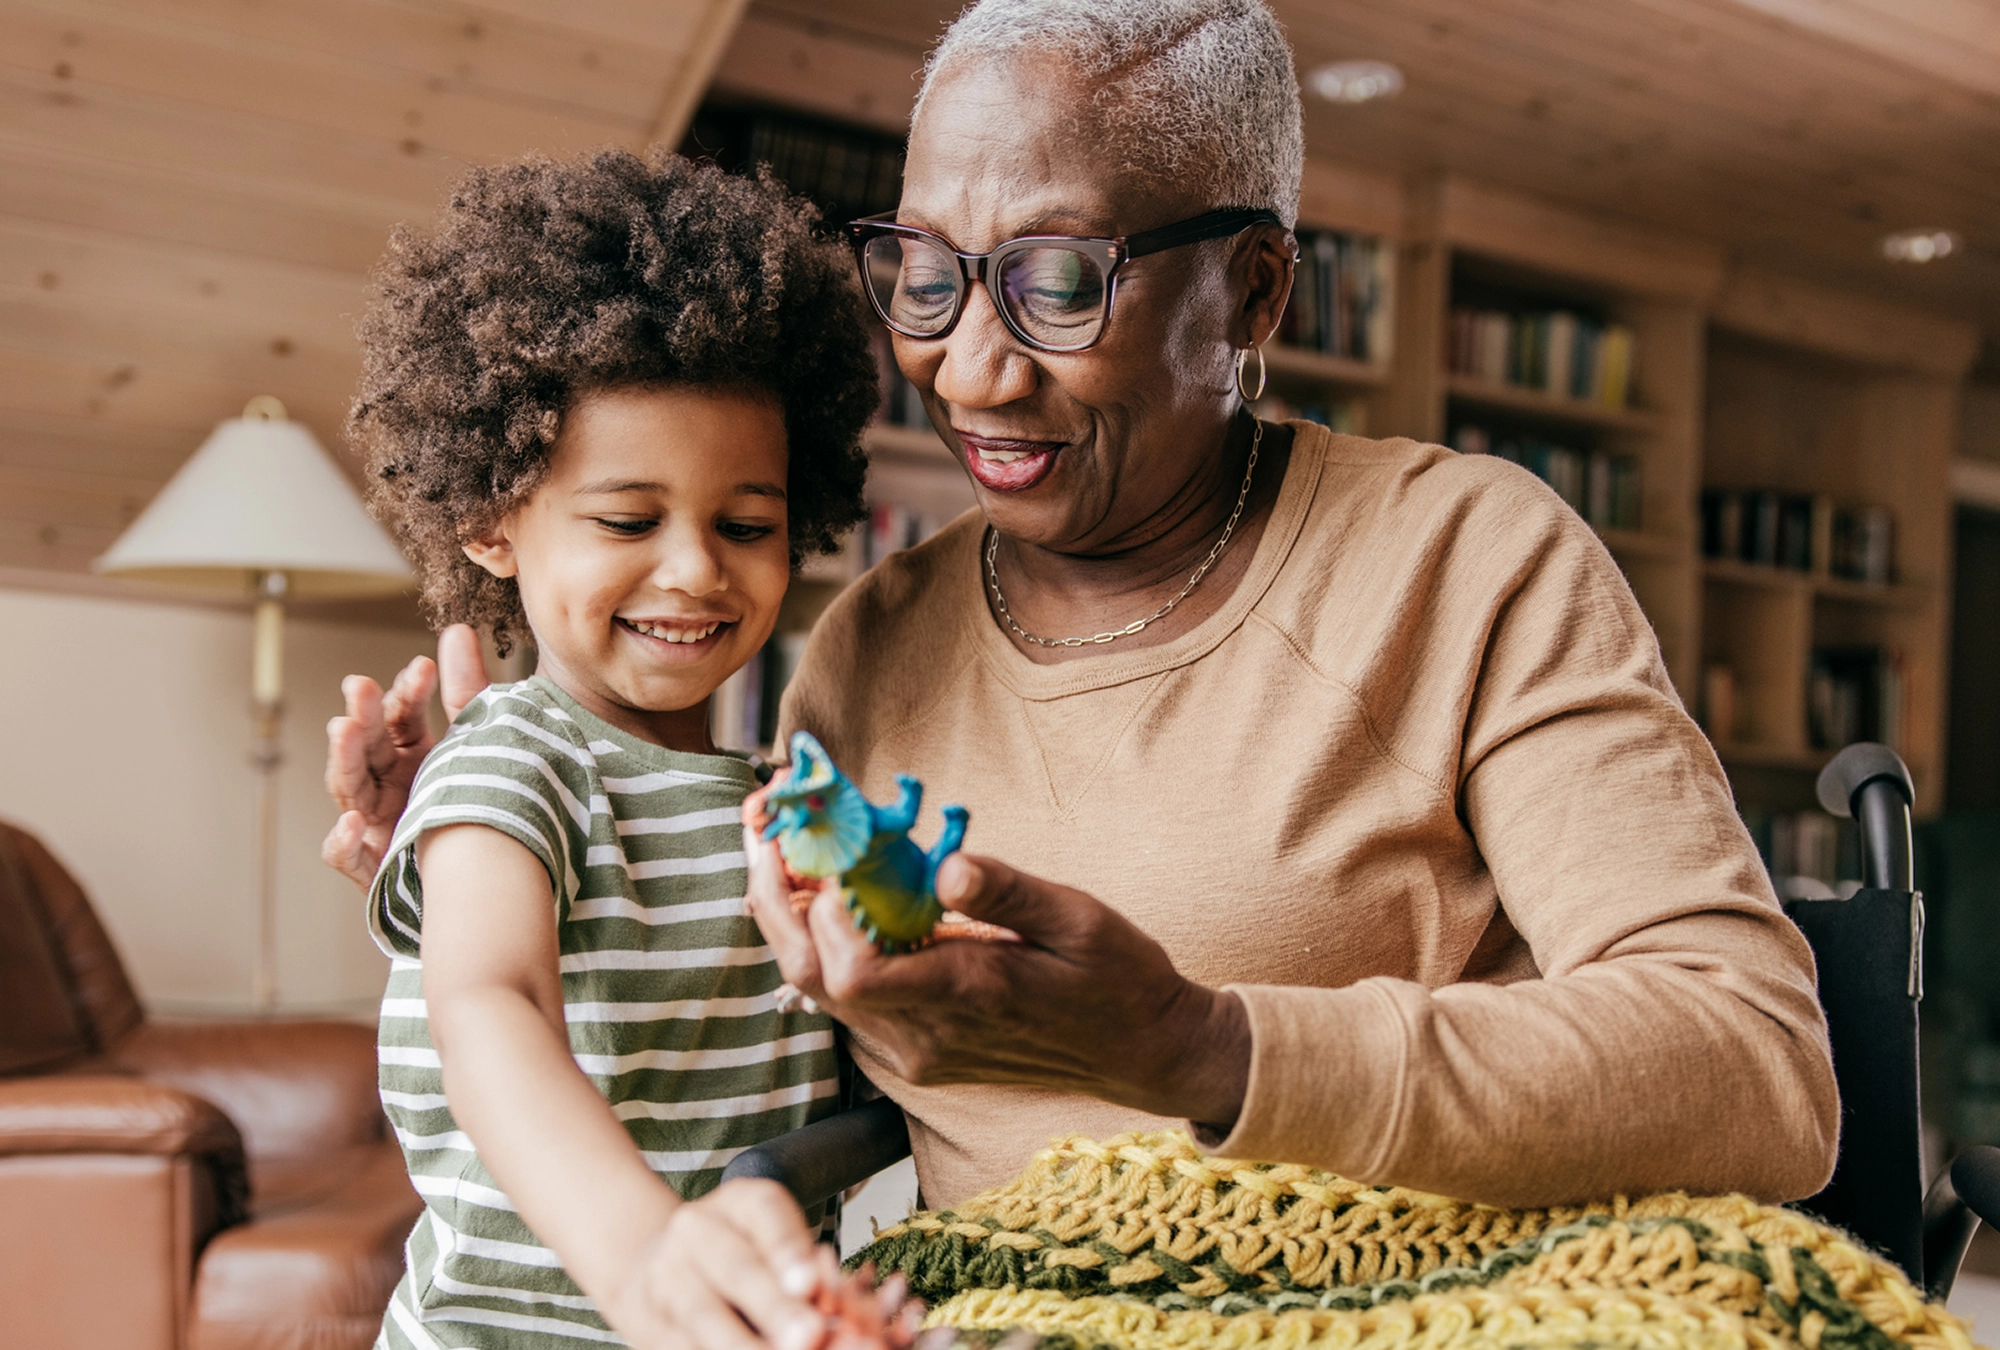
(669, 993)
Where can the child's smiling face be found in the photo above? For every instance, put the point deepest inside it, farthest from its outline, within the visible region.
(653, 557)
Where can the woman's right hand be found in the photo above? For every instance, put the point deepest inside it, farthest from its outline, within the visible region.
(373, 753)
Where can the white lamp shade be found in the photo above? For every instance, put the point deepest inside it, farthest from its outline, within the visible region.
(261, 495)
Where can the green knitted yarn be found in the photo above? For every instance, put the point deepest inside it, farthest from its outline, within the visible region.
(1142, 1243)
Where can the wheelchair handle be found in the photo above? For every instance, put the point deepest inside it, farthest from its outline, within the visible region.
(1871, 783)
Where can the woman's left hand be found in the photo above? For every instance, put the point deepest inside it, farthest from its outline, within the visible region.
(1084, 1002)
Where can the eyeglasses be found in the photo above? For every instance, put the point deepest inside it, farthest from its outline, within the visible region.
(1053, 292)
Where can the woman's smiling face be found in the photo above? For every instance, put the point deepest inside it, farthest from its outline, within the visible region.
(1078, 452)
(653, 557)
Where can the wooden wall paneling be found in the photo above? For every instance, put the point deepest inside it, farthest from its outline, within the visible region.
(1701, 116)
(1411, 403)
(90, 445)
(704, 51)
(1338, 195)
(1956, 40)
(69, 260)
(192, 193)
(317, 350)
(662, 25)
(1520, 229)
(1668, 378)
(412, 113)
(43, 183)
(1664, 76)
(191, 403)
(535, 61)
(1854, 328)
(1797, 148)
(1908, 426)
(271, 157)
(809, 66)
(1764, 634)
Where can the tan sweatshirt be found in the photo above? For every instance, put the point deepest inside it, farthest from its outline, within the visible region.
(1421, 794)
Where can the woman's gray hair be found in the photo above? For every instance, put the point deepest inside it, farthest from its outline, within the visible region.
(1195, 90)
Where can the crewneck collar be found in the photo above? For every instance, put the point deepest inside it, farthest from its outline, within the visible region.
(1032, 681)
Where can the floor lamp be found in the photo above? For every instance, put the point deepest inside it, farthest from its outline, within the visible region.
(261, 510)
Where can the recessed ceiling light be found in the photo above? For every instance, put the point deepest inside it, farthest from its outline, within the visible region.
(1919, 246)
(1355, 81)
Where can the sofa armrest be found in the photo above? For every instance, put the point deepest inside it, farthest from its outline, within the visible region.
(99, 1113)
(95, 1114)
(294, 1089)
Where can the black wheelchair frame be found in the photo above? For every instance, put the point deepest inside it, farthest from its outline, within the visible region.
(1869, 949)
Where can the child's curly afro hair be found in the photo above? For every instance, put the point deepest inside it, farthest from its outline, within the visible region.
(548, 280)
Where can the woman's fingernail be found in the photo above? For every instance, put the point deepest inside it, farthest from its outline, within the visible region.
(959, 879)
(798, 1279)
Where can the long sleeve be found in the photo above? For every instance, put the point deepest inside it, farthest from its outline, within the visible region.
(1674, 1038)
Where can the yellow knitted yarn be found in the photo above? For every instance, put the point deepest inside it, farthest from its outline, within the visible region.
(1143, 1243)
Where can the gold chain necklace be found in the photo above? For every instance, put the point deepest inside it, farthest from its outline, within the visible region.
(1000, 601)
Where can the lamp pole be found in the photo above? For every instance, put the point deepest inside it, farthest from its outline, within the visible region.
(262, 501)
(267, 686)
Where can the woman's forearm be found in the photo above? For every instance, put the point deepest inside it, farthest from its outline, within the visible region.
(547, 1137)
(1649, 1070)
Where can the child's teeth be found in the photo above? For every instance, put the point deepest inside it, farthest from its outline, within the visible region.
(1002, 456)
(676, 635)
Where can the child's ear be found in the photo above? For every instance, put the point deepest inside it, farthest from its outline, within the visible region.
(494, 551)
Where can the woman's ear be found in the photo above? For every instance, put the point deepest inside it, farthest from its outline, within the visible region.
(1266, 258)
(494, 551)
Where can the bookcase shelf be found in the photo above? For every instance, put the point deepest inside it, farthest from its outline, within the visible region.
(1888, 595)
(1491, 395)
(1294, 363)
(1751, 755)
(1640, 544)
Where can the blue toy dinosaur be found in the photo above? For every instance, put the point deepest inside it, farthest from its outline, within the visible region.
(826, 828)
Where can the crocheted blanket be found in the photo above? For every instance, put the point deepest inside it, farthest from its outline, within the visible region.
(1143, 1243)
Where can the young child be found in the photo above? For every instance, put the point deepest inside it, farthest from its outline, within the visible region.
(612, 403)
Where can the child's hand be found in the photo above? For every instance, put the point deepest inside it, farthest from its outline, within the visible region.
(735, 1270)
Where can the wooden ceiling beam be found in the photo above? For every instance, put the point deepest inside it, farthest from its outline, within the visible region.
(1783, 309)
(1521, 229)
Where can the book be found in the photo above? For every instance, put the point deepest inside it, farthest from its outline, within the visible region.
(1613, 383)
(1854, 693)
(1605, 489)
(1558, 373)
(1799, 532)
(1808, 854)
(1342, 301)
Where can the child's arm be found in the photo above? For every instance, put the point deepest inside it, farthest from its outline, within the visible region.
(663, 1273)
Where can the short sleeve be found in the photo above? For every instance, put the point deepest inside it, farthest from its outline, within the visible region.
(508, 764)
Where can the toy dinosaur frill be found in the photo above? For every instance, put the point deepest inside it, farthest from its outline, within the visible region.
(825, 827)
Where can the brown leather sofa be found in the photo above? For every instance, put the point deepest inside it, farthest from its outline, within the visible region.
(177, 1186)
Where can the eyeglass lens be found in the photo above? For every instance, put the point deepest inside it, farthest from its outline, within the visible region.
(1053, 295)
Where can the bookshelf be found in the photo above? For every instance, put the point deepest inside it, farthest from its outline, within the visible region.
(1732, 380)
(1827, 408)
(1471, 251)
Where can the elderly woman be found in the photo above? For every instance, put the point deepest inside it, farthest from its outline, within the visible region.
(1335, 787)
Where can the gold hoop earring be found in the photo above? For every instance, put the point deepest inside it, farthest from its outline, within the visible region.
(1250, 395)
